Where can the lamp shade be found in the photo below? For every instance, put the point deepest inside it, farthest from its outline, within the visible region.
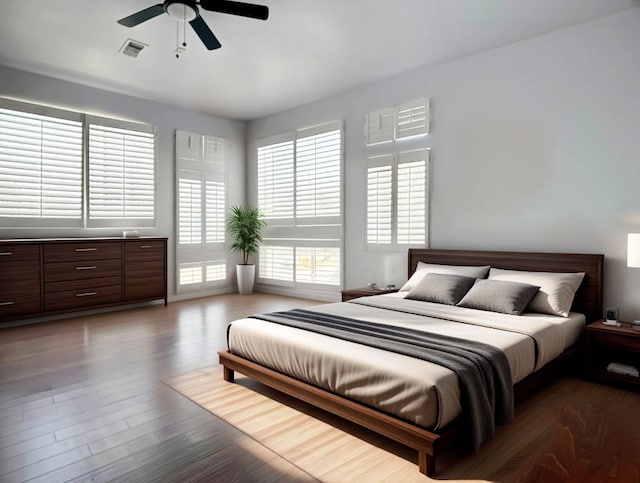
(633, 250)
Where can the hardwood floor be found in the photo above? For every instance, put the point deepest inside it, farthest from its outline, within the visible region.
(83, 399)
(105, 398)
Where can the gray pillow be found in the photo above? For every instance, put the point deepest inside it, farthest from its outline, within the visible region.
(499, 296)
(424, 268)
(441, 288)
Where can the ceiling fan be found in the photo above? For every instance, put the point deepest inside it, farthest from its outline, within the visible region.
(187, 11)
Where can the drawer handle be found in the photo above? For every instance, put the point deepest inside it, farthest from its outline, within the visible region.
(86, 294)
(145, 246)
(7, 303)
(6, 254)
(86, 249)
(86, 268)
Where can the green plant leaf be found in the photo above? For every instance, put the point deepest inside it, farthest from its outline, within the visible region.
(245, 225)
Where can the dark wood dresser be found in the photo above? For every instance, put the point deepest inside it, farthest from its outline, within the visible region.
(41, 277)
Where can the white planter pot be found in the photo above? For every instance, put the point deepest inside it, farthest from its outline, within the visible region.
(246, 275)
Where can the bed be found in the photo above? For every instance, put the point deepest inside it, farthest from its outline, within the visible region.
(415, 400)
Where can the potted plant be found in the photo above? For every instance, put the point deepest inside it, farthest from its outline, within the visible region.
(245, 226)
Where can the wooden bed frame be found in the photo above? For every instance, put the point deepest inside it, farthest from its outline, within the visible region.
(588, 301)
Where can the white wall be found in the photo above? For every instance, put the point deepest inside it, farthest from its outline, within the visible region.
(535, 147)
(66, 95)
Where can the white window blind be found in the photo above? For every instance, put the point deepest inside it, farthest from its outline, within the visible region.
(318, 265)
(300, 194)
(318, 166)
(276, 180)
(190, 274)
(276, 263)
(41, 161)
(380, 200)
(412, 183)
(189, 208)
(379, 126)
(201, 215)
(121, 176)
(395, 123)
(215, 211)
(215, 270)
(412, 119)
(397, 187)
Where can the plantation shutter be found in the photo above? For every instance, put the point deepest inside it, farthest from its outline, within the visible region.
(41, 160)
(215, 161)
(276, 263)
(412, 199)
(318, 167)
(300, 195)
(201, 179)
(379, 126)
(121, 174)
(380, 200)
(412, 119)
(189, 208)
(318, 265)
(276, 181)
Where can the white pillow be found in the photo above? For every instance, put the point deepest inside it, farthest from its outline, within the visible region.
(425, 268)
(556, 293)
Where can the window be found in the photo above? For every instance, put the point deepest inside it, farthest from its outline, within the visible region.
(395, 123)
(121, 174)
(411, 197)
(380, 200)
(41, 163)
(397, 199)
(397, 175)
(201, 210)
(300, 195)
(275, 180)
(45, 165)
(276, 263)
(412, 119)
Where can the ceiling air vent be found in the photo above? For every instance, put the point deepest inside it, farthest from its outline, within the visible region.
(132, 48)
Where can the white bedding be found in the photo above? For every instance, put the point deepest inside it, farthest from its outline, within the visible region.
(412, 389)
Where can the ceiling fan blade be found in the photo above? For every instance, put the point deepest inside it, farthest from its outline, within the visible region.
(204, 32)
(142, 16)
(261, 12)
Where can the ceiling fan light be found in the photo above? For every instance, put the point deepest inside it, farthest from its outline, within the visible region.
(182, 11)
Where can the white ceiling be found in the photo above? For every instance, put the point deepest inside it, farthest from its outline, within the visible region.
(307, 50)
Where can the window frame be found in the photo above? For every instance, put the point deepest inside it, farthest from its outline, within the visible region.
(203, 254)
(301, 231)
(115, 222)
(394, 161)
(84, 221)
(49, 222)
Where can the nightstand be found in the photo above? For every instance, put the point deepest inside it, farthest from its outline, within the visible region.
(354, 293)
(605, 344)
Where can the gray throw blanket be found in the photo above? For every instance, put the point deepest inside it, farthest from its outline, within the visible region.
(483, 370)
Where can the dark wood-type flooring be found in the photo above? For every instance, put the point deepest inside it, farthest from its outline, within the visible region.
(91, 399)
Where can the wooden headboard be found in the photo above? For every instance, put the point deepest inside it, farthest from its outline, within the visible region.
(588, 300)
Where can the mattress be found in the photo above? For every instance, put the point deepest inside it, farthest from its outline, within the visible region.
(414, 390)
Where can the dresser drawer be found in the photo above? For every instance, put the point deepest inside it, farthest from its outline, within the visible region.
(61, 252)
(12, 253)
(144, 269)
(82, 270)
(21, 297)
(68, 285)
(89, 296)
(144, 288)
(141, 250)
(16, 270)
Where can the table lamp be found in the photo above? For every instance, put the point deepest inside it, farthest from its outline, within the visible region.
(633, 260)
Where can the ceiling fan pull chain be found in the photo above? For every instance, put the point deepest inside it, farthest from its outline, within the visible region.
(177, 40)
(184, 27)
